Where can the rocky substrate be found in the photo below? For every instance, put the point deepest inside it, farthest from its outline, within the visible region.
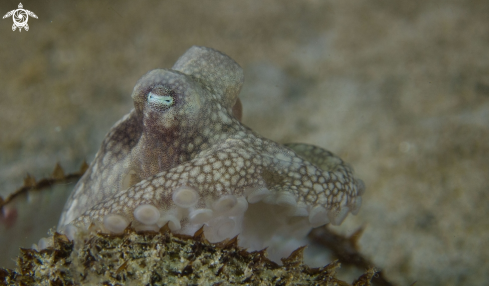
(162, 258)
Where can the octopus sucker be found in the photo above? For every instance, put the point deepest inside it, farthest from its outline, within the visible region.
(183, 158)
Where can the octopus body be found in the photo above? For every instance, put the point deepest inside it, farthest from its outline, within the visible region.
(182, 157)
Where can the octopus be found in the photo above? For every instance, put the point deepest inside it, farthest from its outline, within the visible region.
(182, 158)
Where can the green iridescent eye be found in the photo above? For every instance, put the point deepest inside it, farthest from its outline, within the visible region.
(160, 100)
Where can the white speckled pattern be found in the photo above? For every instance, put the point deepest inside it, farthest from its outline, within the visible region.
(182, 157)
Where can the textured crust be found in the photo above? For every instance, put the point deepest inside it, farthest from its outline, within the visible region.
(162, 258)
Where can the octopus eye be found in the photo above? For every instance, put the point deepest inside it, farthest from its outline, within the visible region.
(161, 100)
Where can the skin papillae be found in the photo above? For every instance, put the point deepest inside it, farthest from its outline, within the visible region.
(182, 157)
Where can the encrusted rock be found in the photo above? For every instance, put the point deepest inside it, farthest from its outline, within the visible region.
(161, 258)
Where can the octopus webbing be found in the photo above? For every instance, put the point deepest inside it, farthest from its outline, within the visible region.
(182, 158)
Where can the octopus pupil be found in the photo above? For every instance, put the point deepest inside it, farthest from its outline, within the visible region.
(165, 100)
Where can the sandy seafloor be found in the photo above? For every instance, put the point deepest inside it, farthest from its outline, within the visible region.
(398, 89)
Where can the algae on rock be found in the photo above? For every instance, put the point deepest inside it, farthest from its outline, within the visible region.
(162, 258)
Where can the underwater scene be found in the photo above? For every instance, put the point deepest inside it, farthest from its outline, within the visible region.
(249, 143)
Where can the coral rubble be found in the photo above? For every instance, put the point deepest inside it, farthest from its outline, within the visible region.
(161, 258)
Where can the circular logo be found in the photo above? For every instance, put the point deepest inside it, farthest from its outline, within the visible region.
(20, 17)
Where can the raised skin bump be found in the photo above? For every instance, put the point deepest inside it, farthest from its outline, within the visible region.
(182, 148)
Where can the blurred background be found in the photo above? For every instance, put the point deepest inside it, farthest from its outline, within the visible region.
(399, 89)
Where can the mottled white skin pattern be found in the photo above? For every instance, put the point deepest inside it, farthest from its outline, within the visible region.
(196, 143)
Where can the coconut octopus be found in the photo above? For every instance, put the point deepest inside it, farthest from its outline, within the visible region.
(182, 158)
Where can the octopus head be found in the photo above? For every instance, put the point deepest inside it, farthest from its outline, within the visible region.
(166, 100)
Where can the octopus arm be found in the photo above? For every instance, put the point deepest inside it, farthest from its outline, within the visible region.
(108, 171)
(224, 189)
(332, 165)
(322, 158)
